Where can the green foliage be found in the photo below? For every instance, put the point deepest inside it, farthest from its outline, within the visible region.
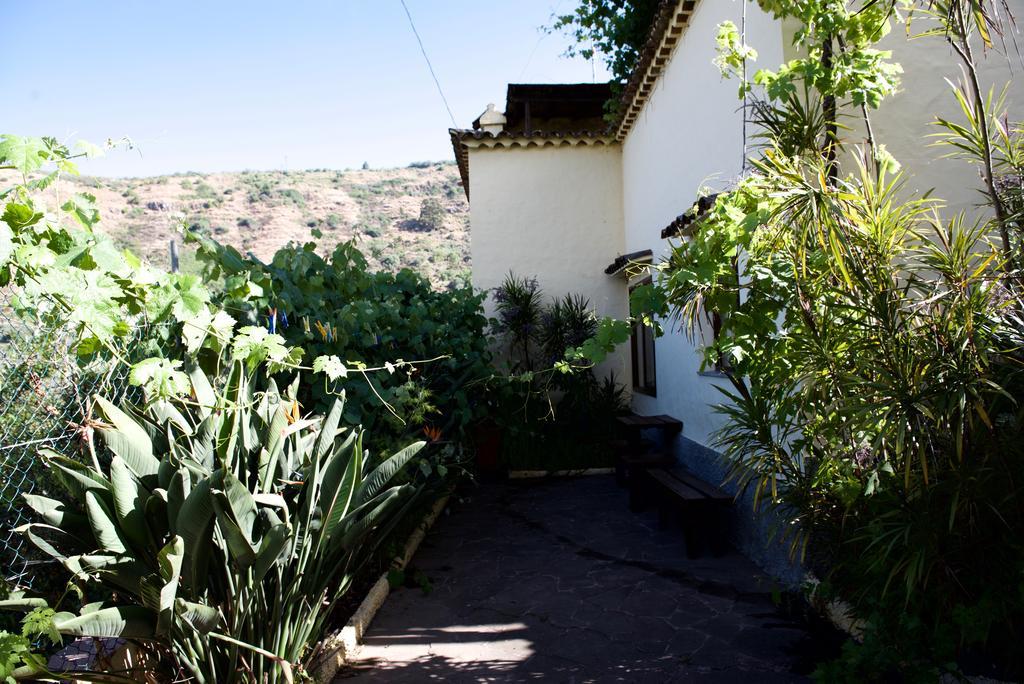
(23, 154)
(336, 309)
(265, 188)
(552, 337)
(227, 528)
(218, 522)
(566, 323)
(206, 192)
(67, 273)
(552, 410)
(986, 137)
(608, 334)
(874, 356)
(839, 59)
(13, 648)
(293, 196)
(873, 351)
(733, 53)
(617, 30)
(874, 360)
(539, 433)
(39, 622)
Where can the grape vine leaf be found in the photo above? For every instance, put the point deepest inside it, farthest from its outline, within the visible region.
(205, 327)
(87, 148)
(39, 623)
(92, 300)
(13, 649)
(82, 207)
(182, 296)
(24, 154)
(19, 216)
(160, 378)
(332, 366)
(254, 345)
(192, 296)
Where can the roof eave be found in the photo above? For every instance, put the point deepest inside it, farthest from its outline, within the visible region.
(461, 157)
(669, 26)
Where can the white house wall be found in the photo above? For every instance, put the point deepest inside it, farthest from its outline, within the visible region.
(554, 213)
(905, 120)
(689, 134)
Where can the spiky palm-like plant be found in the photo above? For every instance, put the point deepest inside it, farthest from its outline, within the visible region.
(225, 529)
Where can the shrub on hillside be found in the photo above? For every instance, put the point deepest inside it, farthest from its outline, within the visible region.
(293, 196)
(432, 213)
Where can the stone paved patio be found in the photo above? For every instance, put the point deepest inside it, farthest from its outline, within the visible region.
(556, 580)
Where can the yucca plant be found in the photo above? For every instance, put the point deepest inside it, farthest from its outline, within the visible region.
(567, 322)
(225, 528)
(518, 305)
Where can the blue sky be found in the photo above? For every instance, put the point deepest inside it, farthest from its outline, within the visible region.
(223, 86)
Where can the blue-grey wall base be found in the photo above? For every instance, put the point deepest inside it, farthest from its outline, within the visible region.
(750, 532)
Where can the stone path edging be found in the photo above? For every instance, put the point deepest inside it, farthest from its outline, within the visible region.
(339, 646)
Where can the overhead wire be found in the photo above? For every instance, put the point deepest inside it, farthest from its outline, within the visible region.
(543, 34)
(743, 41)
(430, 66)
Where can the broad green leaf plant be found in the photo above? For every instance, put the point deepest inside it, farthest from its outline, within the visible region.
(224, 528)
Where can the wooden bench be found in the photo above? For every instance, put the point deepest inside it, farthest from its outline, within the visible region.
(633, 453)
(701, 508)
(633, 424)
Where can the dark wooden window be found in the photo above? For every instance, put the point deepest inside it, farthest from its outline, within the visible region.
(641, 345)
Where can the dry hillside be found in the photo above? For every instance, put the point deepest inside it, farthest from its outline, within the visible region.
(414, 217)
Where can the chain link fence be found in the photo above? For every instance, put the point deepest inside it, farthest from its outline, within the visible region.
(44, 400)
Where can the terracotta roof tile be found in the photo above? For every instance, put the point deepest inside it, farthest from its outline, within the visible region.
(623, 260)
(683, 223)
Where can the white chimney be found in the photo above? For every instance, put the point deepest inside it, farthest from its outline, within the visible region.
(491, 121)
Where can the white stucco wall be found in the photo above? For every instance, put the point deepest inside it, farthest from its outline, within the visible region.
(688, 134)
(904, 121)
(554, 213)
